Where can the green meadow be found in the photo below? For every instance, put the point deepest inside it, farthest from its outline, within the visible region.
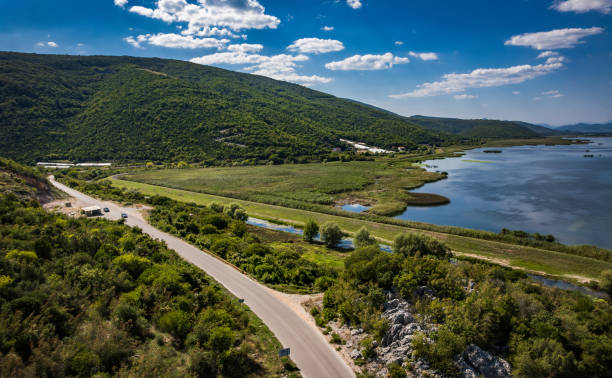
(383, 184)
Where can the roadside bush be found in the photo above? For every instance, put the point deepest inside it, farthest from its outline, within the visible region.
(133, 264)
(203, 364)
(323, 283)
(368, 350)
(208, 229)
(221, 339)
(238, 228)
(178, 323)
(219, 221)
(419, 245)
(335, 338)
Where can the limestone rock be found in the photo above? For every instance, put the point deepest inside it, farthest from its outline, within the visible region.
(486, 364)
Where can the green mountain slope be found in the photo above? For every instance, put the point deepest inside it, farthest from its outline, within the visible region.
(482, 128)
(125, 108)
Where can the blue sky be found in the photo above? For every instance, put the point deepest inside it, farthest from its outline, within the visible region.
(541, 61)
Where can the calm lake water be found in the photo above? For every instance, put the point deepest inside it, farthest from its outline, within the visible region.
(546, 189)
(354, 208)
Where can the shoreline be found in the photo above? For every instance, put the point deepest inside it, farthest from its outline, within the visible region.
(435, 199)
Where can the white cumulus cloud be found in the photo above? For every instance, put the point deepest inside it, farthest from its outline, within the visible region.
(554, 39)
(464, 97)
(399, 43)
(327, 28)
(583, 6)
(203, 16)
(245, 48)
(480, 78)
(208, 31)
(547, 54)
(136, 41)
(279, 67)
(516, 93)
(121, 3)
(172, 40)
(355, 4)
(315, 45)
(52, 44)
(367, 62)
(555, 59)
(424, 56)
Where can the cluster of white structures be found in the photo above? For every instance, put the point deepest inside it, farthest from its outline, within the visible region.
(361, 146)
(68, 165)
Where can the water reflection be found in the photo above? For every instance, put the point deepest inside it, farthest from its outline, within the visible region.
(355, 208)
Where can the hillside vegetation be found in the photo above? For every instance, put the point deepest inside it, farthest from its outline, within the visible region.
(126, 109)
(83, 297)
(542, 332)
(482, 128)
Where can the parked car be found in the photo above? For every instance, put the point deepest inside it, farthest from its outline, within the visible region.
(123, 215)
(106, 210)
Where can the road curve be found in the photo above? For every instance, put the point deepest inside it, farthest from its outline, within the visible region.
(309, 349)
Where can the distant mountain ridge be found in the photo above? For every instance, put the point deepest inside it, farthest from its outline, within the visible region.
(587, 128)
(482, 128)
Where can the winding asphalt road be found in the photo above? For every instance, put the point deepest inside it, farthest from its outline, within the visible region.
(309, 349)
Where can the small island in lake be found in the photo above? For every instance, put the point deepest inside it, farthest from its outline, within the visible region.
(427, 199)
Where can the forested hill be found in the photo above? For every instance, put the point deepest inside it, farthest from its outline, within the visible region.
(126, 108)
(482, 128)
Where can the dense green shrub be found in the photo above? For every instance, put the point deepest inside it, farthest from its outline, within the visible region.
(229, 239)
(331, 234)
(363, 239)
(606, 281)
(419, 245)
(541, 331)
(311, 229)
(78, 307)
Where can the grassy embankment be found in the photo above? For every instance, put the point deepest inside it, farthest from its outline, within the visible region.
(553, 263)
